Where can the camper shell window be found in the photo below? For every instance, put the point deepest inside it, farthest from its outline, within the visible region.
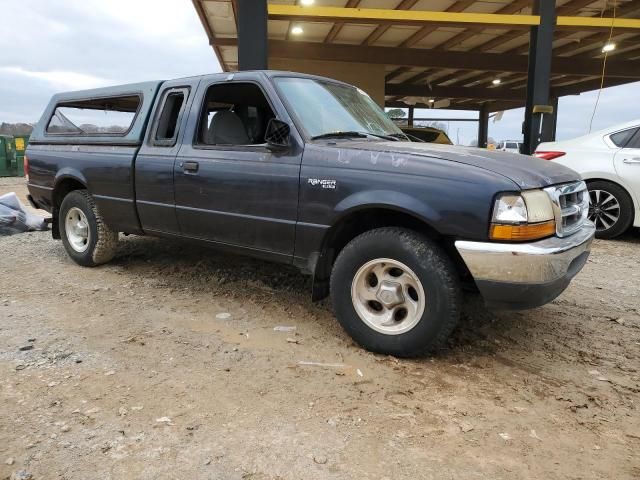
(97, 116)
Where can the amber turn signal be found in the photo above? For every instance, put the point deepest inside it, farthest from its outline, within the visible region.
(523, 232)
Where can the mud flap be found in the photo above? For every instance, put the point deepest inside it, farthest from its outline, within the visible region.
(320, 265)
(55, 227)
(319, 289)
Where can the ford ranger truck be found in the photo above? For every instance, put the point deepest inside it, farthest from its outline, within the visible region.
(309, 171)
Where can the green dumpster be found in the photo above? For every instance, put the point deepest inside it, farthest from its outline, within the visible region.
(20, 142)
(7, 157)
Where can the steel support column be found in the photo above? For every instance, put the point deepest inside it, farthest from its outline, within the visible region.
(483, 126)
(539, 73)
(550, 122)
(252, 34)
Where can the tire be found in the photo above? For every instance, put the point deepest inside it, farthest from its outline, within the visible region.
(425, 268)
(86, 237)
(611, 209)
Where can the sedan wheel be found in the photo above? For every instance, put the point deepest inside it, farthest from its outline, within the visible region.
(611, 208)
(604, 210)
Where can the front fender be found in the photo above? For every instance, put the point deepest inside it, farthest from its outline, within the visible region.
(390, 200)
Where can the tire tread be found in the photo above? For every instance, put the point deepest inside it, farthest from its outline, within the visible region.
(431, 256)
(107, 239)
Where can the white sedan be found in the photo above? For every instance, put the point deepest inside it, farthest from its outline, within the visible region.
(609, 161)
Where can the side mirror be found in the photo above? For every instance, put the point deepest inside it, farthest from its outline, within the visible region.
(277, 135)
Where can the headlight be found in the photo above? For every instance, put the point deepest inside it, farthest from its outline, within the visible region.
(510, 209)
(525, 216)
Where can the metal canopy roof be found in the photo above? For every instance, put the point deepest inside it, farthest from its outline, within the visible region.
(446, 49)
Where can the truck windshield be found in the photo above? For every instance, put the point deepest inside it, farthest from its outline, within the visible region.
(326, 108)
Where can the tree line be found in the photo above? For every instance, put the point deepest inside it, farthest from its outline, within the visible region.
(15, 129)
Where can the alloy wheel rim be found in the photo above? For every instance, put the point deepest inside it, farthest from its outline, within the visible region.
(77, 229)
(604, 210)
(388, 296)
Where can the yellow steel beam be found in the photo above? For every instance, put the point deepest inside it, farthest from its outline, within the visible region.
(599, 23)
(381, 16)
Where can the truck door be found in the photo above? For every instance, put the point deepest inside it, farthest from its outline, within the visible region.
(230, 188)
(154, 167)
(627, 164)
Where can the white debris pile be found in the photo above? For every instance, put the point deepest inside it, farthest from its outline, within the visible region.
(15, 219)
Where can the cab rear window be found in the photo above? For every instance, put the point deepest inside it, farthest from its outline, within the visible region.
(621, 139)
(97, 116)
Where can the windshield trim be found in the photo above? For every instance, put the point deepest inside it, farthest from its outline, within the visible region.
(291, 111)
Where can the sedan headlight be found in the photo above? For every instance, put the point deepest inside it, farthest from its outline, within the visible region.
(524, 216)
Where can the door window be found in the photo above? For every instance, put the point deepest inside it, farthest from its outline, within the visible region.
(167, 125)
(234, 114)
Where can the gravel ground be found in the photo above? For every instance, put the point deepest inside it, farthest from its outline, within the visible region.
(165, 364)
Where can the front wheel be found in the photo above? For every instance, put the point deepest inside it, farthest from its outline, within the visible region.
(611, 209)
(396, 292)
(88, 240)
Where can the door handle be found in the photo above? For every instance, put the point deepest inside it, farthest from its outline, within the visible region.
(631, 160)
(190, 167)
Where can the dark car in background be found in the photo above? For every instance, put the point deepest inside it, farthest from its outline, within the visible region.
(427, 134)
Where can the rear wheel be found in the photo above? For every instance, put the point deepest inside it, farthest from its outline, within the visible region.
(86, 237)
(396, 292)
(611, 209)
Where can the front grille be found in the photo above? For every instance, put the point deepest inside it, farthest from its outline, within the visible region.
(570, 205)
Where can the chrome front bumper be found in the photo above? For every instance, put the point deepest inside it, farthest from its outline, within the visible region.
(525, 275)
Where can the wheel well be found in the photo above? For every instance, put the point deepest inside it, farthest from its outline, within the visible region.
(63, 188)
(361, 221)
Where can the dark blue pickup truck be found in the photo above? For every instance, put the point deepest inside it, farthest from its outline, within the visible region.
(309, 171)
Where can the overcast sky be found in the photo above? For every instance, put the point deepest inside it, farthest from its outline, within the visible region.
(48, 46)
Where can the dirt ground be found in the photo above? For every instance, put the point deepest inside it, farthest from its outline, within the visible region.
(165, 364)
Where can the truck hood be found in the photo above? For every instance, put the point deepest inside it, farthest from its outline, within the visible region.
(527, 172)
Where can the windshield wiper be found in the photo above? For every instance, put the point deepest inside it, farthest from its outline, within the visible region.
(347, 134)
(399, 136)
(390, 136)
(340, 135)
